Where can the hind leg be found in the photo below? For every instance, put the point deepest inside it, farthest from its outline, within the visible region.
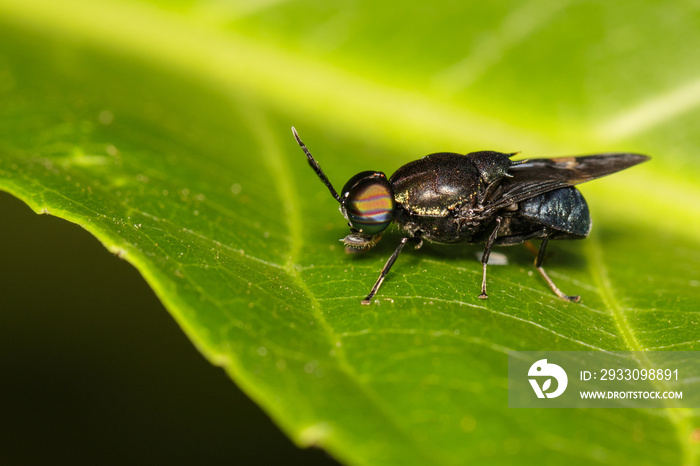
(538, 265)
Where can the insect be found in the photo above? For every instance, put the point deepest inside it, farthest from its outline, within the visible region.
(481, 197)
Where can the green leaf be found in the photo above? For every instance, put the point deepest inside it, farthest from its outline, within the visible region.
(163, 129)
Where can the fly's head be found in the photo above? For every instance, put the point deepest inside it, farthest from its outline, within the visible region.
(366, 201)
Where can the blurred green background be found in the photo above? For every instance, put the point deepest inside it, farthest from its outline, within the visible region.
(117, 114)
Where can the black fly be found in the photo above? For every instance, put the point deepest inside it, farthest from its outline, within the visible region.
(481, 197)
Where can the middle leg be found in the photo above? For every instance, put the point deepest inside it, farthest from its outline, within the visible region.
(485, 257)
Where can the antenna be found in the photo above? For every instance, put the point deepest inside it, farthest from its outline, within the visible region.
(516, 162)
(317, 168)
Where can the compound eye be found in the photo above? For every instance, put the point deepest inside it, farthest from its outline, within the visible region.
(368, 202)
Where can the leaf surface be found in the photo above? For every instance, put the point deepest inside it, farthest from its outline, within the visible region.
(163, 129)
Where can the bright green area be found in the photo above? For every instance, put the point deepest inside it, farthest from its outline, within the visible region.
(163, 129)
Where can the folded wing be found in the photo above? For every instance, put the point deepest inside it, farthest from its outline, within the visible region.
(537, 176)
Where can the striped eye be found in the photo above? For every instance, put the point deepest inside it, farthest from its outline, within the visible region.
(368, 202)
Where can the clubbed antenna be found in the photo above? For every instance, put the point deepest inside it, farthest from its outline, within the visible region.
(317, 168)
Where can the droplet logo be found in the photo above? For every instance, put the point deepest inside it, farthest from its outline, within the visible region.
(542, 368)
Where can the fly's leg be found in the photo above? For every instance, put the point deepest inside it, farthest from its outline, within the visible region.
(538, 264)
(485, 257)
(387, 266)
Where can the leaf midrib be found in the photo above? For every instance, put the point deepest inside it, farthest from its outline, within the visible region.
(599, 271)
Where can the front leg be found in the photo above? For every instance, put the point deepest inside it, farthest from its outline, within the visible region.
(485, 257)
(388, 265)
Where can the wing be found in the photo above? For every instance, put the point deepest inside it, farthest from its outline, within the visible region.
(537, 176)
